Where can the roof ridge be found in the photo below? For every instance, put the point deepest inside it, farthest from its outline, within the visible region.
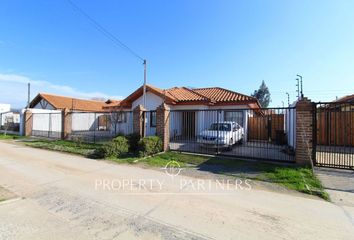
(83, 99)
(199, 94)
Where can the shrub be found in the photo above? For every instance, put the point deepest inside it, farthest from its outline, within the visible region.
(133, 140)
(117, 147)
(150, 145)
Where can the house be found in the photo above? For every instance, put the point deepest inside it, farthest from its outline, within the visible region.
(201, 104)
(85, 115)
(56, 102)
(9, 119)
(345, 103)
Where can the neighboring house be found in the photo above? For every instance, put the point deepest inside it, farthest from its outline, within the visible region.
(55, 102)
(235, 107)
(9, 119)
(86, 115)
(345, 103)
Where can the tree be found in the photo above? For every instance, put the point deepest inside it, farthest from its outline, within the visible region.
(263, 95)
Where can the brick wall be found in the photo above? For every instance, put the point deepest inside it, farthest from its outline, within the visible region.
(66, 123)
(304, 132)
(28, 123)
(138, 120)
(163, 125)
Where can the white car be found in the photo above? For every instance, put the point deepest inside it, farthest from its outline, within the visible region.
(222, 134)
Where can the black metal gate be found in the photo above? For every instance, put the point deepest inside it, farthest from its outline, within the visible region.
(333, 135)
(265, 134)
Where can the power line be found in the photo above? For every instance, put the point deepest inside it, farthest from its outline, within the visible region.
(104, 31)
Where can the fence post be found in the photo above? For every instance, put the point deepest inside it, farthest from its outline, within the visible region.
(138, 120)
(28, 124)
(66, 123)
(304, 131)
(163, 125)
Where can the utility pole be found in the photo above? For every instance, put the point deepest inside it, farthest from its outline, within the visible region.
(28, 94)
(288, 98)
(144, 86)
(301, 92)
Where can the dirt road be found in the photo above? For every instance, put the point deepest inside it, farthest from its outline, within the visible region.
(62, 196)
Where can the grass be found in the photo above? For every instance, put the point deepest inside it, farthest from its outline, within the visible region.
(297, 178)
(7, 136)
(85, 149)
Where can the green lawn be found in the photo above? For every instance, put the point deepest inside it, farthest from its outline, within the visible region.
(9, 136)
(297, 178)
(85, 149)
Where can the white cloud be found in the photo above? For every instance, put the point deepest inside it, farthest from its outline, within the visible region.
(13, 90)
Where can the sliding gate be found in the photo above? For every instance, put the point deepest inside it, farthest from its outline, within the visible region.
(266, 134)
(333, 137)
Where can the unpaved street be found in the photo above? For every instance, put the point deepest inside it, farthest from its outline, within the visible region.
(60, 196)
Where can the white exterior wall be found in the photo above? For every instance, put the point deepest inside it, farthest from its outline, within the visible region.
(123, 127)
(152, 102)
(290, 124)
(44, 103)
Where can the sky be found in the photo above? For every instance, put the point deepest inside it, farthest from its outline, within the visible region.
(232, 44)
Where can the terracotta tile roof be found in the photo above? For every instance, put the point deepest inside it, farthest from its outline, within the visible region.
(348, 98)
(61, 102)
(183, 95)
(218, 94)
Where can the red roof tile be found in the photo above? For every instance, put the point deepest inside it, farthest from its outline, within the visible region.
(61, 102)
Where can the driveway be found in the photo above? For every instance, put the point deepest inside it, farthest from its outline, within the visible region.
(60, 197)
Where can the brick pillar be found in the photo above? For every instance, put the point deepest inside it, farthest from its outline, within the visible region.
(304, 131)
(28, 123)
(66, 123)
(163, 125)
(138, 120)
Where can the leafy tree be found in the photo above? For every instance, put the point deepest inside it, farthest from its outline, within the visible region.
(263, 95)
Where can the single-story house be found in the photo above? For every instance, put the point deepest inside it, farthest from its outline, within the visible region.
(200, 104)
(86, 115)
(56, 102)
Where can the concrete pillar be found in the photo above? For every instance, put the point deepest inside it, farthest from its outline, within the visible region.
(304, 132)
(163, 125)
(28, 117)
(138, 120)
(66, 117)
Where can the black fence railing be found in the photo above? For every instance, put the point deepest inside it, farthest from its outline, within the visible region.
(334, 134)
(82, 126)
(261, 134)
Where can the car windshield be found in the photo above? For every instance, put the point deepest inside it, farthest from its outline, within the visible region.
(220, 127)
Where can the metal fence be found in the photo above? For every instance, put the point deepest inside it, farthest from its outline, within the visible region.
(82, 126)
(260, 134)
(333, 144)
(47, 124)
(100, 126)
(10, 122)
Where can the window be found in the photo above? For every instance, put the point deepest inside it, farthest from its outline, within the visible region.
(234, 116)
(121, 117)
(153, 119)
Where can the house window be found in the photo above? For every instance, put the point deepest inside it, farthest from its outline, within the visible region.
(234, 116)
(121, 117)
(153, 119)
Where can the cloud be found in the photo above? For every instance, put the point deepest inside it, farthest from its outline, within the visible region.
(13, 90)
